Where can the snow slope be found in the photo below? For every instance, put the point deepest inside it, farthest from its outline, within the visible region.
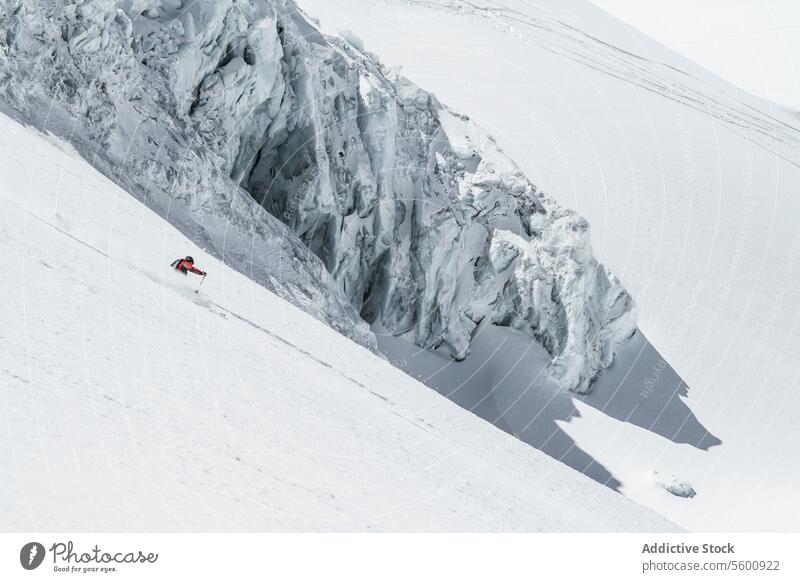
(690, 186)
(130, 402)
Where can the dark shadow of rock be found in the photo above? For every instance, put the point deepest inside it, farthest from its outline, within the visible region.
(641, 388)
(503, 382)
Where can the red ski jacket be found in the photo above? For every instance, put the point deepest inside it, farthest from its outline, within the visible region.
(184, 265)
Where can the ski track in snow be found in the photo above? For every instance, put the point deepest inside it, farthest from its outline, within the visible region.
(558, 37)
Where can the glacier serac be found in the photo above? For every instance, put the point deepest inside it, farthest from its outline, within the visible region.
(306, 164)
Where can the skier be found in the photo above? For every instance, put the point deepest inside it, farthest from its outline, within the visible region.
(186, 265)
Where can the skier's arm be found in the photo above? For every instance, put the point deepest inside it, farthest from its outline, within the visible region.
(195, 270)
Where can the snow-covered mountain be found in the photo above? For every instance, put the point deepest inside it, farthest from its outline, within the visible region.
(690, 186)
(131, 402)
(299, 160)
(213, 111)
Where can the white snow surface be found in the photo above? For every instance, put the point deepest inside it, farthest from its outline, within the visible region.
(131, 402)
(691, 187)
(213, 111)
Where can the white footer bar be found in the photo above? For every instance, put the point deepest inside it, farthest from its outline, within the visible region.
(388, 557)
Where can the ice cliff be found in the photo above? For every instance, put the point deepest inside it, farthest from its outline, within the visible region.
(303, 162)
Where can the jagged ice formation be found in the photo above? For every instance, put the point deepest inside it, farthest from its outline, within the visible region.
(306, 164)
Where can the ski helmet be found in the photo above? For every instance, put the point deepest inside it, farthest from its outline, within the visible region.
(190, 259)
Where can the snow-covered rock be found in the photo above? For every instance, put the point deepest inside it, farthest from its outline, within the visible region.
(681, 489)
(675, 486)
(215, 111)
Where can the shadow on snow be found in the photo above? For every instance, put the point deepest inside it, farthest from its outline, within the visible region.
(504, 382)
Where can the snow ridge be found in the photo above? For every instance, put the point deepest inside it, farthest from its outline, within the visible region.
(217, 111)
(537, 26)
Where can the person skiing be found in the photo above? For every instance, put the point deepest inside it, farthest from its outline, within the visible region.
(186, 265)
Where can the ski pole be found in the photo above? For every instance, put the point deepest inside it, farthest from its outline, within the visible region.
(201, 284)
